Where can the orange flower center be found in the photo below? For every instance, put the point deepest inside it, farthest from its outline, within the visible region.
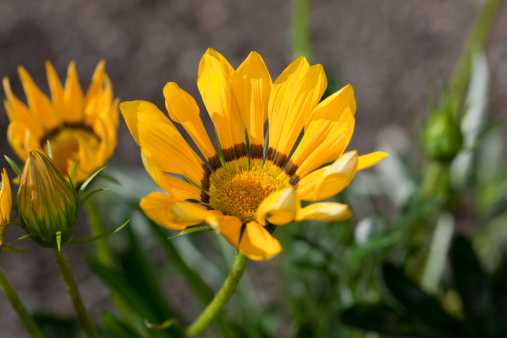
(239, 193)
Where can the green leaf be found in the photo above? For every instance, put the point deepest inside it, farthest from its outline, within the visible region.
(90, 179)
(380, 318)
(143, 277)
(88, 195)
(16, 251)
(116, 328)
(499, 282)
(117, 281)
(424, 311)
(191, 230)
(94, 238)
(73, 173)
(201, 289)
(14, 166)
(50, 154)
(473, 285)
(52, 326)
(168, 323)
(20, 238)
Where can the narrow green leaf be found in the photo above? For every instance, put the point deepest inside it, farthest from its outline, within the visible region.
(168, 323)
(117, 328)
(20, 238)
(191, 230)
(73, 172)
(380, 318)
(474, 288)
(88, 195)
(59, 240)
(16, 251)
(94, 238)
(14, 166)
(90, 179)
(425, 311)
(50, 154)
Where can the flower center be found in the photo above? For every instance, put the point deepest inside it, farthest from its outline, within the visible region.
(66, 143)
(239, 193)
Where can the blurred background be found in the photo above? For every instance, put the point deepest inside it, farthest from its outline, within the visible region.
(395, 53)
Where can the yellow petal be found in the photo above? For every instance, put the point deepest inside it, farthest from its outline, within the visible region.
(171, 213)
(294, 95)
(325, 211)
(5, 200)
(366, 161)
(160, 141)
(56, 88)
(214, 83)
(93, 102)
(257, 243)
(328, 181)
(252, 85)
(175, 187)
(331, 148)
(40, 106)
(73, 96)
(323, 122)
(279, 208)
(183, 110)
(227, 226)
(334, 105)
(18, 111)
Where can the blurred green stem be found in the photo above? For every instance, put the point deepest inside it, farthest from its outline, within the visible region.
(221, 298)
(301, 41)
(102, 248)
(476, 41)
(436, 180)
(103, 252)
(19, 307)
(82, 315)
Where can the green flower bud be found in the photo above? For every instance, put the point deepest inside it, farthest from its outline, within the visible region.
(47, 203)
(442, 139)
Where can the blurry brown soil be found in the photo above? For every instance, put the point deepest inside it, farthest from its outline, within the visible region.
(394, 53)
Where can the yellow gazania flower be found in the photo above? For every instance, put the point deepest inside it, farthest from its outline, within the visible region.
(5, 204)
(79, 127)
(250, 185)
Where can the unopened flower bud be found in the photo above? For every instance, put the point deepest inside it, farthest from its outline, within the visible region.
(47, 203)
(5, 204)
(442, 139)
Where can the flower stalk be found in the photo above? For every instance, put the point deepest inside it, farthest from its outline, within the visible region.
(82, 315)
(221, 298)
(19, 307)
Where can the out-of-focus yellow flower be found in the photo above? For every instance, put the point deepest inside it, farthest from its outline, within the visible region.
(249, 185)
(79, 127)
(5, 204)
(47, 203)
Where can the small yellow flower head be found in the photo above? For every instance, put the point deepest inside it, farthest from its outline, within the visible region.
(5, 204)
(79, 126)
(47, 203)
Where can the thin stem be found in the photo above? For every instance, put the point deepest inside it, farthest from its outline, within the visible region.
(221, 298)
(301, 39)
(476, 41)
(82, 315)
(19, 307)
(101, 247)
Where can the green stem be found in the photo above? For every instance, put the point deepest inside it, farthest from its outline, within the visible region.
(476, 41)
(221, 298)
(19, 307)
(301, 39)
(82, 315)
(102, 248)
